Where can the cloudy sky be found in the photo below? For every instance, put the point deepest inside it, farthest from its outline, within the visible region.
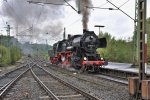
(39, 19)
(115, 22)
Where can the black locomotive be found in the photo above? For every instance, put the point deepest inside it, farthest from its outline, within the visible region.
(79, 51)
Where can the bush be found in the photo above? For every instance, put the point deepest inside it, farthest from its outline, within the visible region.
(116, 50)
(9, 55)
(5, 56)
(15, 54)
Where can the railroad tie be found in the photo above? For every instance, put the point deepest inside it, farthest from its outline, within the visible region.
(69, 96)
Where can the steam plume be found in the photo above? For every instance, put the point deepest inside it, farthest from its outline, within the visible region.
(85, 11)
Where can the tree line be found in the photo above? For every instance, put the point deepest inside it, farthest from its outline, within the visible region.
(121, 50)
(116, 50)
(9, 53)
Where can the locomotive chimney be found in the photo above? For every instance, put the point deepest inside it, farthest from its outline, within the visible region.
(69, 36)
(84, 30)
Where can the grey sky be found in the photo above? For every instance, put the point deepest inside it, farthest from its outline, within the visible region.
(52, 19)
(115, 22)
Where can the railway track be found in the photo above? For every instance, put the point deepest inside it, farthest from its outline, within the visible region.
(26, 88)
(118, 76)
(92, 86)
(57, 88)
(8, 79)
(97, 85)
(9, 72)
(95, 75)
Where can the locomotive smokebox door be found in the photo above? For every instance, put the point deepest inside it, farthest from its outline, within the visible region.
(102, 43)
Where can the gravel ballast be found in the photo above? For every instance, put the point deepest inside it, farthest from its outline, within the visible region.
(26, 89)
(102, 88)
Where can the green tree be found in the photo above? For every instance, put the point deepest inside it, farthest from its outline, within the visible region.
(121, 50)
(116, 50)
(148, 32)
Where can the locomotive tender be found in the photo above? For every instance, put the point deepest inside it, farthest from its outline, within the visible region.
(79, 51)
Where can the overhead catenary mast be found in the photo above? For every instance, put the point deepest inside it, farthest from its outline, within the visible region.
(8, 28)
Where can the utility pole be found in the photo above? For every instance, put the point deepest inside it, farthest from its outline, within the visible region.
(1, 37)
(8, 33)
(8, 29)
(64, 34)
(142, 39)
(46, 44)
(1, 32)
(142, 4)
(135, 40)
(16, 30)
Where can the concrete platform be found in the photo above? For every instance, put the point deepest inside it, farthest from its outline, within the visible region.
(124, 67)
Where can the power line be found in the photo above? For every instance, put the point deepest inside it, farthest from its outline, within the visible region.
(124, 3)
(121, 10)
(34, 2)
(16, 15)
(101, 8)
(24, 31)
(103, 4)
(72, 7)
(3, 20)
(2, 17)
(73, 23)
(33, 19)
(40, 3)
(40, 13)
(38, 17)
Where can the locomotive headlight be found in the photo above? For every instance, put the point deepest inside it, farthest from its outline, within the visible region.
(63, 58)
(102, 58)
(85, 58)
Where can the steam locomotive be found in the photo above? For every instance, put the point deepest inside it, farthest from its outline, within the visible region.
(79, 52)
